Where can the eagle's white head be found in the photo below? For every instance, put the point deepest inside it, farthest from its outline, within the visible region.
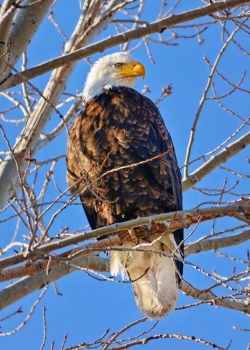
(117, 69)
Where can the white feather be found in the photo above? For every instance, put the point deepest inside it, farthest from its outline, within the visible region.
(153, 276)
(103, 75)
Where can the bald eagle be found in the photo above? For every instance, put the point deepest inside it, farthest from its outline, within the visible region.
(121, 129)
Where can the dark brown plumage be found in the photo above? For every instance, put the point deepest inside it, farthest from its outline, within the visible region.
(121, 128)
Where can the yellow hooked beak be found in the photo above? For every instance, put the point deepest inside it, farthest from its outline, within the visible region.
(133, 69)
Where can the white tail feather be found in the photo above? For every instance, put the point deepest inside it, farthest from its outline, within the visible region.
(153, 276)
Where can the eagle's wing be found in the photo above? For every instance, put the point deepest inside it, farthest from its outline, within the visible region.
(172, 167)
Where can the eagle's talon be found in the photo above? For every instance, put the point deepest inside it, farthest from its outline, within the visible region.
(147, 229)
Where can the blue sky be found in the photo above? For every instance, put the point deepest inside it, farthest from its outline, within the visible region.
(88, 307)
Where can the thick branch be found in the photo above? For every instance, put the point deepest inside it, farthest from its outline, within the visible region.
(172, 221)
(26, 22)
(7, 14)
(206, 168)
(28, 285)
(155, 27)
(215, 244)
(208, 296)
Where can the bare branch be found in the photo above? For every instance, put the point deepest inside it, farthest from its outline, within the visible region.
(156, 27)
(28, 316)
(172, 221)
(20, 33)
(228, 152)
(203, 99)
(215, 244)
(28, 285)
(208, 296)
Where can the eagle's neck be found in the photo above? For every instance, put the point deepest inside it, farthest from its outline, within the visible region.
(95, 86)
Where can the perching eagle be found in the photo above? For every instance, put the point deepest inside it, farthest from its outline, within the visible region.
(119, 128)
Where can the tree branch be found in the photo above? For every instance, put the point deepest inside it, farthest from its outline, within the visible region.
(21, 33)
(206, 168)
(28, 285)
(172, 221)
(155, 27)
(215, 244)
(16, 162)
(203, 100)
(208, 296)
(24, 287)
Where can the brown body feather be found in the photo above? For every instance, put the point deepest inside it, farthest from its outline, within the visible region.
(119, 129)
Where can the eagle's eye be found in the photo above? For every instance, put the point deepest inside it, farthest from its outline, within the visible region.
(118, 65)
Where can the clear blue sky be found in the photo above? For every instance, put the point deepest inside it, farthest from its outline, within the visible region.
(88, 307)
